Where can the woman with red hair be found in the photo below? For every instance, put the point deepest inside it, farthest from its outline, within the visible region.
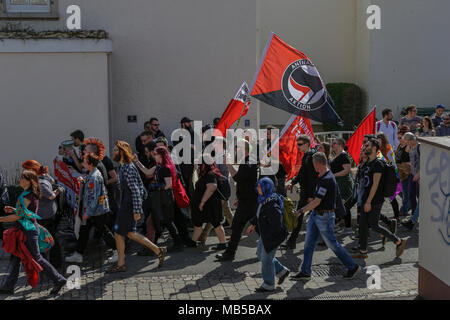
(47, 206)
(162, 199)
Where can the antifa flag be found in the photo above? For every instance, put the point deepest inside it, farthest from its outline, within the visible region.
(290, 156)
(287, 79)
(236, 109)
(367, 126)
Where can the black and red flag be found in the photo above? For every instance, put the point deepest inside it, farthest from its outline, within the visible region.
(288, 80)
(236, 109)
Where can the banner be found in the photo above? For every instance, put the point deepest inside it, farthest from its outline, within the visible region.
(367, 126)
(290, 156)
(236, 109)
(68, 180)
(288, 80)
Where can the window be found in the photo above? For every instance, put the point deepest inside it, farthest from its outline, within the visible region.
(28, 9)
(16, 6)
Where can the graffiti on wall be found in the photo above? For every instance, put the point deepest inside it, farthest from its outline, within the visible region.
(438, 170)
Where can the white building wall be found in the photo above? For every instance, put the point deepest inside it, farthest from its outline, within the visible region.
(410, 55)
(45, 97)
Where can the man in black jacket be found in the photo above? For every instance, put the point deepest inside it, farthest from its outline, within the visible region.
(307, 178)
(246, 178)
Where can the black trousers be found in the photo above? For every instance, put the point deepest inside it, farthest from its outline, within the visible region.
(55, 254)
(181, 223)
(245, 211)
(372, 219)
(294, 234)
(99, 222)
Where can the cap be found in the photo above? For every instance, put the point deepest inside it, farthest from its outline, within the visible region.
(185, 119)
(440, 106)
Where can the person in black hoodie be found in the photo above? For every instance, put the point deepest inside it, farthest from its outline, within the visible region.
(272, 232)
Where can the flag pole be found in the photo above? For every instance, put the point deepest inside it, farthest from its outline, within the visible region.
(286, 127)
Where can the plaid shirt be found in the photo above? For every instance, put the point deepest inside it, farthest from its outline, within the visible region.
(130, 176)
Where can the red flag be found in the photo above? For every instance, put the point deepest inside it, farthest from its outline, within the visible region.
(288, 80)
(290, 156)
(237, 108)
(367, 126)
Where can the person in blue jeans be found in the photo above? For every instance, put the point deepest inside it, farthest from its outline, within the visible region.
(268, 223)
(322, 221)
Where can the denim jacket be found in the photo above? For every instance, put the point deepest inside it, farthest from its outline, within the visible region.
(95, 198)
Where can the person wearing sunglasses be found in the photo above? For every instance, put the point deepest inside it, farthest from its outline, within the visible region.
(307, 178)
(444, 129)
(154, 128)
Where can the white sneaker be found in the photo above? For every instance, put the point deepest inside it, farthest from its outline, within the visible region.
(114, 258)
(75, 258)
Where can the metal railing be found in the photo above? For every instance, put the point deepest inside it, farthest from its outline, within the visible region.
(330, 135)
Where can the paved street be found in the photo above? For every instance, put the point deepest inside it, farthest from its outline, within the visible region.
(193, 274)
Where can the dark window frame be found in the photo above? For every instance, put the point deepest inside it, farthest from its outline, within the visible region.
(52, 15)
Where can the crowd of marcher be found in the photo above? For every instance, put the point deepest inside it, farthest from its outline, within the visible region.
(115, 194)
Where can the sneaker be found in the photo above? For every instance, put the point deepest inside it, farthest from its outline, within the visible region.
(301, 276)
(287, 246)
(219, 247)
(74, 258)
(351, 273)
(400, 248)
(263, 290)
(226, 256)
(114, 258)
(408, 224)
(283, 277)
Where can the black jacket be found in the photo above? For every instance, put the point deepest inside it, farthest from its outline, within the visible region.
(307, 176)
(270, 225)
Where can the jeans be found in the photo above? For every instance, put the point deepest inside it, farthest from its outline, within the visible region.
(33, 246)
(406, 203)
(323, 225)
(270, 266)
(372, 219)
(415, 216)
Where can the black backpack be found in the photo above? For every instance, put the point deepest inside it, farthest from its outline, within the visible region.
(390, 180)
(223, 188)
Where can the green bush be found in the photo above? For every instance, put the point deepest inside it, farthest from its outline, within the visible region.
(349, 103)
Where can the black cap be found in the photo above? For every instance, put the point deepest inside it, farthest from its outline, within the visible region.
(206, 128)
(185, 119)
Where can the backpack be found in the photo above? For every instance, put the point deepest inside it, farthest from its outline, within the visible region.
(290, 220)
(379, 125)
(224, 188)
(179, 194)
(390, 180)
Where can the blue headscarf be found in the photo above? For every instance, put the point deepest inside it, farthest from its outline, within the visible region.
(268, 190)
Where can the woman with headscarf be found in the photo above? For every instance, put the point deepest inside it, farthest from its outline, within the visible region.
(268, 223)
